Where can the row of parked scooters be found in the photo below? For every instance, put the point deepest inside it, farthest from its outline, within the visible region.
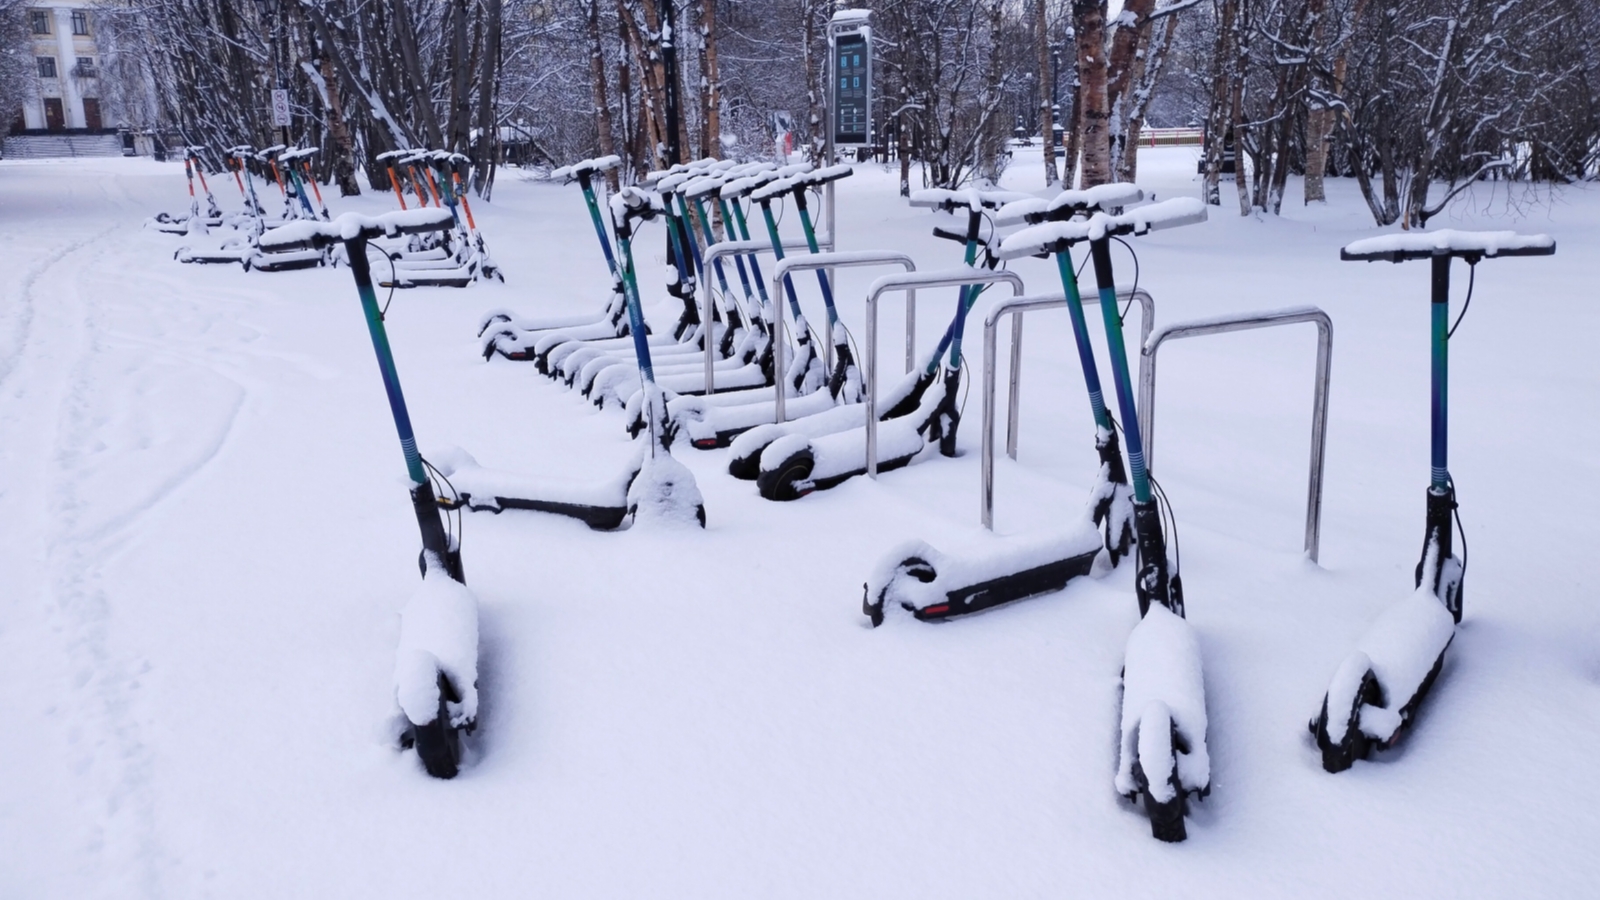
(455, 257)
(805, 416)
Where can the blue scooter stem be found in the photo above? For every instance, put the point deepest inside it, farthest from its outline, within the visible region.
(710, 238)
(755, 266)
(423, 502)
(777, 251)
(811, 244)
(357, 250)
(586, 182)
(738, 260)
(630, 286)
(1080, 331)
(300, 191)
(1100, 252)
(1441, 373)
(968, 297)
(686, 235)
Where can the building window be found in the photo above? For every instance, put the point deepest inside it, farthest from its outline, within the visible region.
(47, 66)
(86, 67)
(80, 22)
(40, 20)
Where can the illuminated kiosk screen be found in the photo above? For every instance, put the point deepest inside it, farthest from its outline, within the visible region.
(851, 90)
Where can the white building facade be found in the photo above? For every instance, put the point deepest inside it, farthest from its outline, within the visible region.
(67, 66)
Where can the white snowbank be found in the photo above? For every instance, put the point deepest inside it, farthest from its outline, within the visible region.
(1162, 666)
(438, 633)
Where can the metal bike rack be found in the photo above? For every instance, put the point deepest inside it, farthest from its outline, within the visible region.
(909, 283)
(714, 253)
(1248, 322)
(844, 260)
(1016, 306)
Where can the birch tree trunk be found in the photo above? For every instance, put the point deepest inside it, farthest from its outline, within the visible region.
(1089, 21)
(1130, 34)
(711, 80)
(597, 80)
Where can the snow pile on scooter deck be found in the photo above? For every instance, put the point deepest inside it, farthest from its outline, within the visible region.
(968, 578)
(665, 491)
(484, 488)
(438, 634)
(1162, 667)
(1400, 649)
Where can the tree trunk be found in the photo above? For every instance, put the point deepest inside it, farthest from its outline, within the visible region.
(344, 170)
(1089, 20)
(711, 80)
(1074, 132)
(486, 153)
(1147, 72)
(406, 35)
(597, 79)
(1041, 32)
(1130, 35)
(1320, 120)
(816, 91)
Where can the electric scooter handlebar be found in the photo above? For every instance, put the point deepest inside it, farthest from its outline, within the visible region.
(703, 185)
(784, 181)
(739, 187)
(1054, 237)
(1469, 245)
(313, 235)
(266, 154)
(652, 177)
(822, 176)
(569, 174)
(1067, 204)
(969, 199)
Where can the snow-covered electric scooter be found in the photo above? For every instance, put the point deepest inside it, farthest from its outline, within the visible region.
(436, 665)
(933, 585)
(193, 223)
(925, 415)
(1378, 688)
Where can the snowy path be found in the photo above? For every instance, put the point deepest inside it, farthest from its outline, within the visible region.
(208, 541)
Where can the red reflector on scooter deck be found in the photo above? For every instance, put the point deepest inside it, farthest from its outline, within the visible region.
(705, 444)
(939, 610)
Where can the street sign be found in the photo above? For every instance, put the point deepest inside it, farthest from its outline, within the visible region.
(852, 87)
(280, 109)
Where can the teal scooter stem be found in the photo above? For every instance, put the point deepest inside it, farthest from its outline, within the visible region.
(423, 502)
(1153, 582)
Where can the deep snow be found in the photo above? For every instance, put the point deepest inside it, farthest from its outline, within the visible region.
(209, 542)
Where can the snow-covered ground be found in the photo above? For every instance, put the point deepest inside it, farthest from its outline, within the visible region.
(208, 541)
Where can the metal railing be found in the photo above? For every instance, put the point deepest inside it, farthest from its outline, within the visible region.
(712, 254)
(807, 263)
(1014, 307)
(1248, 322)
(910, 283)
